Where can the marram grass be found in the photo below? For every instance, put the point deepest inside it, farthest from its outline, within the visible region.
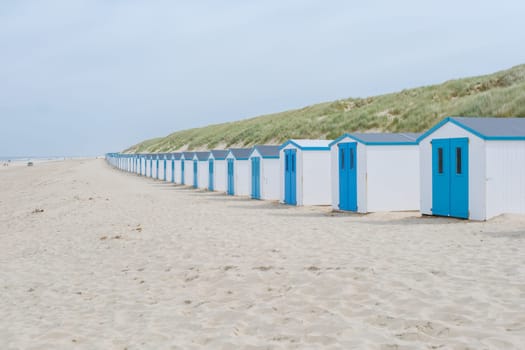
(501, 94)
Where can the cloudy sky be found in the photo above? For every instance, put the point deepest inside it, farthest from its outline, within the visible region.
(90, 76)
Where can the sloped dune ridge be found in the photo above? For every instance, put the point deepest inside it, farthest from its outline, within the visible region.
(93, 258)
(501, 94)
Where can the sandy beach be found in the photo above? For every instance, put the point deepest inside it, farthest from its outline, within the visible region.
(118, 261)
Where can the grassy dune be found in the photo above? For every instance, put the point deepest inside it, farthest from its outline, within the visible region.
(501, 94)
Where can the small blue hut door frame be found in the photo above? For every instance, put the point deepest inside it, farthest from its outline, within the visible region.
(182, 171)
(231, 189)
(157, 167)
(151, 166)
(165, 167)
(347, 176)
(195, 174)
(211, 173)
(290, 176)
(173, 169)
(450, 177)
(256, 178)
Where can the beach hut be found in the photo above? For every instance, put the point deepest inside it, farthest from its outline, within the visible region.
(375, 172)
(187, 171)
(159, 166)
(473, 168)
(170, 167)
(142, 168)
(265, 172)
(148, 165)
(238, 171)
(217, 169)
(201, 170)
(177, 164)
(305, 172)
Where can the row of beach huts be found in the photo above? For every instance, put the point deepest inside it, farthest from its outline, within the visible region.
(464, 167)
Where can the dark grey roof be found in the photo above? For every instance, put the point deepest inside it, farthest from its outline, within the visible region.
(177, 155)
(202, 155)
(241, 153)
(219, 153)
(188, 155)
(386, 137)
(267, 150)
(494, 127)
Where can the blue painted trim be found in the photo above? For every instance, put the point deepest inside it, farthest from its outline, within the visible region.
(469, 129)
(342, 137)
(271, 157)
(505, 138)
(339, 139)
(290, 142)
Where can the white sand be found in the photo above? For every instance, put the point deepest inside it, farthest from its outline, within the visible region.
(209, 271)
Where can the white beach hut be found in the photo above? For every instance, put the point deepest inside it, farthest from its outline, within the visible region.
(375, 172)
(238, 171)
(201, 170)
(142, 167)
(265, 172)
(305, 172)
(186, 163)
(149, 165)
(218, 170)
(159, 167)
(170, 167)
(177, 165)
(473, 168)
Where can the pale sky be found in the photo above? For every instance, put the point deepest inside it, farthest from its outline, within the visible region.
(92, 76)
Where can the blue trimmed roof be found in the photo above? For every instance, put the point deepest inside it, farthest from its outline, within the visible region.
(487, 128)
(240, 153)
(266, 151)
(201, 156)
(188, 155)
(177, 155)
(308, 145)
(382, 139)
(219, 154)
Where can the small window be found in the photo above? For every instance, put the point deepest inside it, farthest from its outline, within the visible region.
(458, 160)
(440, 160)
(351, 158)
(342, 158)
(286, 161)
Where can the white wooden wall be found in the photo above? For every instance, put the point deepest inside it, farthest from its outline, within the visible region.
(392, 178)
(242, 178)
(220, 172)
(203, 172)
(505, 180)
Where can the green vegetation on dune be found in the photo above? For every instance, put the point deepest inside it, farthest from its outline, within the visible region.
(500, 95)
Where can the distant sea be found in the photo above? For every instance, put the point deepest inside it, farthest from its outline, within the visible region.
(28, 158)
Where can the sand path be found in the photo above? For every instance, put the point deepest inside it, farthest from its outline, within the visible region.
(117, 261)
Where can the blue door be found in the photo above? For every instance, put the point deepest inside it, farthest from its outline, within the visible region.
(231, 189)
(210, 176)
(165, 166)
(151, 167)
(182, 171)
(256, 178)
(450, 177)
(348, 176)
(290, 181)
(173, 170)
(195, 174)
(157, 168)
